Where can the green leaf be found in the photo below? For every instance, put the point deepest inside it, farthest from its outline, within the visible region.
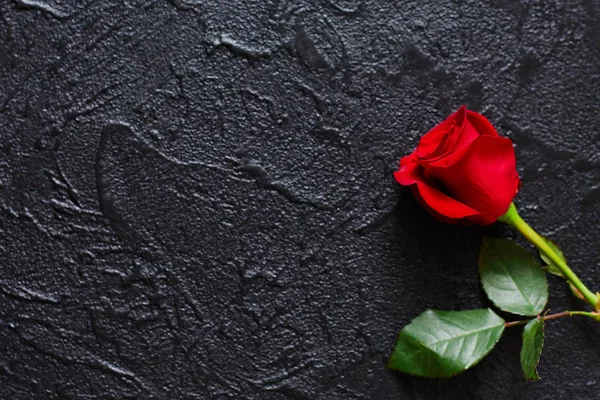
(533, 341)
(439, 344)
(550, 266)
(512, 278)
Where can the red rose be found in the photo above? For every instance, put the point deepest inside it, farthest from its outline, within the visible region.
(462, 171)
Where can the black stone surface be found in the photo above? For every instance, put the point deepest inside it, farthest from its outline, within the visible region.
(197, 198)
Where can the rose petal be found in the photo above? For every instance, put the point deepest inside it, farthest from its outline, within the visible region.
(485, 179)
(467, 136)
(454, 135)
(481, 124)
(409, 171)
(441, 205)
(431, 141)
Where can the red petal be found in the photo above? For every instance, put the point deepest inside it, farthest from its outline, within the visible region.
(481, 124)
(449, 143)
(409, 171)
(431, 141)
(467, 136)
(485, 179)
(440, 205)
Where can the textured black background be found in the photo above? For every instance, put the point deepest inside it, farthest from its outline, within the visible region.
(198, 203)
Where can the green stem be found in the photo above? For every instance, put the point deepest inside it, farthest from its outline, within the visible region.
(593, 315)
(513, 219)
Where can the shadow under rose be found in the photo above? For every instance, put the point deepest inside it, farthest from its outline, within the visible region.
(441, 254)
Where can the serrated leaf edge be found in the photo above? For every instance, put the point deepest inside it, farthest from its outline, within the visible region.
(539, 356)
(487, 239)
(484, 355)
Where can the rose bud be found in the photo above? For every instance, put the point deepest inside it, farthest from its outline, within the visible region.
(462, 171)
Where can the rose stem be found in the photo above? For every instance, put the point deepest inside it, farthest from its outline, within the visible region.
(513, 219)
(557, 315)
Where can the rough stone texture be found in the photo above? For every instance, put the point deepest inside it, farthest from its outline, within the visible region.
(197, 198)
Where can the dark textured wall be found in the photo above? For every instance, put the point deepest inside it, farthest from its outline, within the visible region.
(197, 198)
